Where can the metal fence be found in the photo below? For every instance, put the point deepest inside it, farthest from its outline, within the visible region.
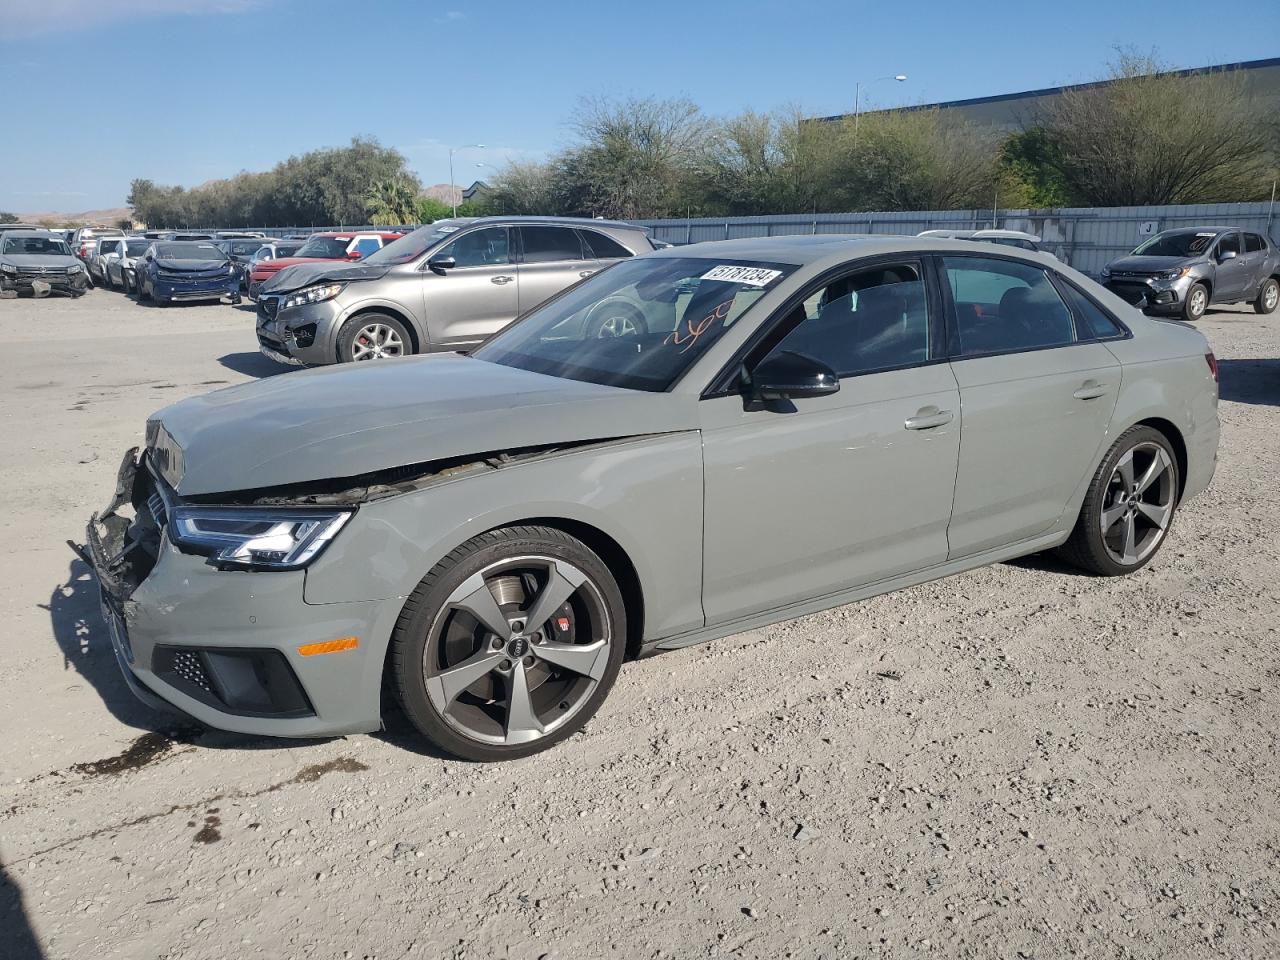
(1084, 237)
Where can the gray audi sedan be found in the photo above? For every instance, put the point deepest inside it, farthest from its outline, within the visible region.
(770, 428)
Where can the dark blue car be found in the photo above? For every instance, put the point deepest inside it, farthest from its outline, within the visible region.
(174, 271)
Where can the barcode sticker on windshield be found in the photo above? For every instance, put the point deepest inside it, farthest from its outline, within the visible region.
(751, 276)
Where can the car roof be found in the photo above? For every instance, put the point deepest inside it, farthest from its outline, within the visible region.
(1010, 234)
(558, 221)
(810, 249)
(37, 232)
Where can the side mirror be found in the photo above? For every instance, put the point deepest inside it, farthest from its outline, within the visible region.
(354, 255)
(441, 264)
(791, 376)
(1227, 255)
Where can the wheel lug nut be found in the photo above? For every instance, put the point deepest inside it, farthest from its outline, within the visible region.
(505, 665)
(528, 661)
(496, 643)
(517, 626)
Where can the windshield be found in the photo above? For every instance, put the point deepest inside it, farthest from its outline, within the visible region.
(136, 248)
(40, 246)
(1182, 243)
(188, 251)
(324, 248)
(639, 324)
(413, 245)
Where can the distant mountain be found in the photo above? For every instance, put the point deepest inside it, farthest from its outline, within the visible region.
(445, 193)
(105, 218)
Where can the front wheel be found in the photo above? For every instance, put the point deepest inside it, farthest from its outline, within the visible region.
(610, 320)
(510, 644)
(1196, 302)
(373, 336)
(1268, 297)
(1129, 507)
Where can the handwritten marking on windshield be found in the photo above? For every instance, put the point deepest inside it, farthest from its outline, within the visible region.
(696, 330)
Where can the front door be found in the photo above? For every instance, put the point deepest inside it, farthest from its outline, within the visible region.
(1232, 275)
(811, 497)
(478, 296)
(1037, 397)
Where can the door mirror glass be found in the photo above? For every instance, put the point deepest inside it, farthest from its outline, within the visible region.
(441, 262)
(788, 375)
(1224, 255)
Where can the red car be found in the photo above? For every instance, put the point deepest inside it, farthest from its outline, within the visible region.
(321, 246)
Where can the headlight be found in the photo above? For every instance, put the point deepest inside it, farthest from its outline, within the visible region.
(312, 295)
(1173, 274)
(1106, 273)
(8, 268)
(75, 268)
(267, 538)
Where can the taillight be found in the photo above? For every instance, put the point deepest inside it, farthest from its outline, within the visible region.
(1212, 361)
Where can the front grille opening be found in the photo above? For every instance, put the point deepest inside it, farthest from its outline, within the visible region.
(245, 682)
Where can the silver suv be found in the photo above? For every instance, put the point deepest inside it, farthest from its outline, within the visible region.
(446, 286)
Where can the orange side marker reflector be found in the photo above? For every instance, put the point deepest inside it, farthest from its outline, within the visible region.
(329, 646)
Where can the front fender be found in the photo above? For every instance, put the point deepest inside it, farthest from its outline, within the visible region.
(412, 317)
(644, 493)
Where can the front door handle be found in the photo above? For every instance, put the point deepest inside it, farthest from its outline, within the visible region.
(1090, 390)
(585, 273)
(927, 418)
(501, 280)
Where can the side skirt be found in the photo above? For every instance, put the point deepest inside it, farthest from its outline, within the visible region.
(805, 607)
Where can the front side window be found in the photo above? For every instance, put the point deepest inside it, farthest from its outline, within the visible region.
(639, 324)
(875, 319)
(479, 248)
(548, 244)
(1004, 307)
(1230, 243)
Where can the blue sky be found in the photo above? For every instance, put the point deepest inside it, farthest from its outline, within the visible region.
(183, 91)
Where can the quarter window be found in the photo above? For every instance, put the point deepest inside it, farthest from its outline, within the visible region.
(1253, 243)
(602, 247)
(547, 244)
(1092, 322)
(479, 248)
(874, 319)
(1004, 307)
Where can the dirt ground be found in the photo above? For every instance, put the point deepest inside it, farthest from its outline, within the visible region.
(1018, 762)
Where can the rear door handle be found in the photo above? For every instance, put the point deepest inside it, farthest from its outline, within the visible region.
(1090, 390)
(927, 418)
(501, 280)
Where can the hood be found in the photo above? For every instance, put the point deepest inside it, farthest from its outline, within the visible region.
(40, 260)
(308, 272)
(190, 266)
(1150, 264)
(272, 266)
(350, 419)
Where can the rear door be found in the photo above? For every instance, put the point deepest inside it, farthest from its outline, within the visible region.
(551, 258)
(479, 296)
(1037, 396)
(1254, 253)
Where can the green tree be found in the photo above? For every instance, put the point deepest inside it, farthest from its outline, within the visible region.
(392, 201)
(1030, 165)
(429, 210)
(7, 217)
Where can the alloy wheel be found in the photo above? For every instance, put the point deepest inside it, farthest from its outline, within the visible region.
(1199, 300)
(517, 650)
(1271, 296)
(1138, 504)
(377, 341)
(619, 325)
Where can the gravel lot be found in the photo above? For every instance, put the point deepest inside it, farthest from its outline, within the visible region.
(1017, 762)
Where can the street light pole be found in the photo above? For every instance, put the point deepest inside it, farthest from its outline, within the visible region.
(453, 188)
(857, 99)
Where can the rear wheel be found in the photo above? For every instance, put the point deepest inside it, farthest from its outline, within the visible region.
(610, 320)
(1268, 297)
(1196, 302)
(510, 644)
(373, 336)
(1129, 507)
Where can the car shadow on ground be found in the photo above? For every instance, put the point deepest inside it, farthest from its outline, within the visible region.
(253, 365)
(1048, 563)
(15, 929)
(82, 637)
(1250, 381)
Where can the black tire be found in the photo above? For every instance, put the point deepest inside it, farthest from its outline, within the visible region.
(424, 636)
(1196, 302)
(614, 320)
(346, 351)
(141, 290)
(1268, 296)
(1088, 548)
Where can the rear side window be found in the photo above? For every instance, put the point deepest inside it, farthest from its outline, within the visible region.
(367, 245)
(1005, 307)
(603, 247)
(1092, 322)
(1253, 243)
(545, 244)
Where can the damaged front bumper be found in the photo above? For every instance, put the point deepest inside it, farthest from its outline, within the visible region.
(223, 646)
